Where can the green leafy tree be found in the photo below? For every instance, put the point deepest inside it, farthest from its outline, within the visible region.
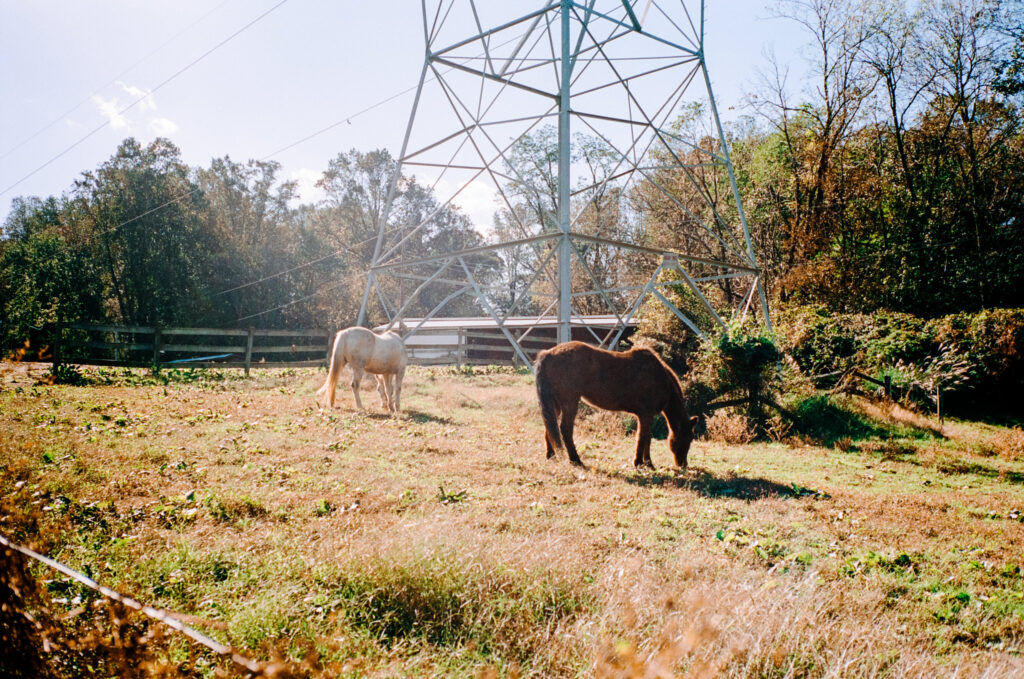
(144, 215)
(47, 274)
(254, 234)
(348, 221)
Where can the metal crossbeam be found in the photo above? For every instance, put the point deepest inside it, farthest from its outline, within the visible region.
(617, 73)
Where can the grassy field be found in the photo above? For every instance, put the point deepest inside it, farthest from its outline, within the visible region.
(443, 543)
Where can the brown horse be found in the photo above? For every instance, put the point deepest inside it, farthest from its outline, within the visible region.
(636, 381)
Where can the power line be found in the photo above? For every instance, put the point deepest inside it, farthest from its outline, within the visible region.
(280, 273)
(347, 119)
(110, 82)
(187, 194)
(147, 94)
(349, 248)
(346, 279)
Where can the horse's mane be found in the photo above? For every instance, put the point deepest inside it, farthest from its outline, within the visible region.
(674, 379)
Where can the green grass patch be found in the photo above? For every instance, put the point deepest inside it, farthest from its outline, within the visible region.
(829, 420)
(446, 601)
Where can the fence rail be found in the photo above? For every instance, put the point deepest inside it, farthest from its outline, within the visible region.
(148, 346)
(119, 345)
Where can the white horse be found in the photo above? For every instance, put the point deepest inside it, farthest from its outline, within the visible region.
(366, 351)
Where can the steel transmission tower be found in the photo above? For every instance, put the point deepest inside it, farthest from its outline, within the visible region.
(616, 71)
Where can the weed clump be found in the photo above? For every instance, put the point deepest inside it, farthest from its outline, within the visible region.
(734, 429)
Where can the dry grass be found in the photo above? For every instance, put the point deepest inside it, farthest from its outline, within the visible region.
(443, 543)
(1007, 444)
(733, 428)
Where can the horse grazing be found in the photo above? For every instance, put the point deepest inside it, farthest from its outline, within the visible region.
(366, 351)
(636, 381)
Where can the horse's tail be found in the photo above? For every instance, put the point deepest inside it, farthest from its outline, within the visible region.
(333, 370)
(546, 395)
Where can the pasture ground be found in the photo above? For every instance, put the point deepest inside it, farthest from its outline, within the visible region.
(443, 543)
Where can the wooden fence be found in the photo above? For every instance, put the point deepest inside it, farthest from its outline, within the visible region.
(142, 346)
(118, 345)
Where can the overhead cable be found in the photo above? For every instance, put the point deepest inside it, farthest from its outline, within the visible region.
(110, 82)
(146, 95)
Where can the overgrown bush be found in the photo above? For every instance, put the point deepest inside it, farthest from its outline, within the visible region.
(748, 361)
(993, 342)
(980, 355)
(738, 363)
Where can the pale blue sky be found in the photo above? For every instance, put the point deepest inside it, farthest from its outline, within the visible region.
(304, 66)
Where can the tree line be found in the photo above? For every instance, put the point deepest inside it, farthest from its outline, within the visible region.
(891, 178)
(147, 240)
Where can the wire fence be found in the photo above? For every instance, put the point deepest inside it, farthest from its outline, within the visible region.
(29, 634)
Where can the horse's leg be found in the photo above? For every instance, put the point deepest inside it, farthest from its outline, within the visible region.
(552, 445)
(357, 378)
(396, 395)
(568, 421)
(382, 389)
(643, 441)
(389, 382)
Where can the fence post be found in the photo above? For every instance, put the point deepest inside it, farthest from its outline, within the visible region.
(330, 345)
(460, 342)
(248, 351)
(158, 346)
(888, 387)
(938, 402)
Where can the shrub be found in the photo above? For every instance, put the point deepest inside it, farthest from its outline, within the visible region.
(738, 363)
(981, 354)
(992, 342)
(748, 361)
(815, 340)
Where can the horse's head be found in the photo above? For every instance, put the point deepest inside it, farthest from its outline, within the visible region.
(679, 441)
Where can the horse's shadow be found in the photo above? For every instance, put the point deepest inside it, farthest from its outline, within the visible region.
(421, 417)
(417, 416)
(709, 484)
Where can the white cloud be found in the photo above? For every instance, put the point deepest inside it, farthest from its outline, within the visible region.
(109, 109)
(138, 116)
(147, 103)
(307, 192)
(162, 127)
(477, 200)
